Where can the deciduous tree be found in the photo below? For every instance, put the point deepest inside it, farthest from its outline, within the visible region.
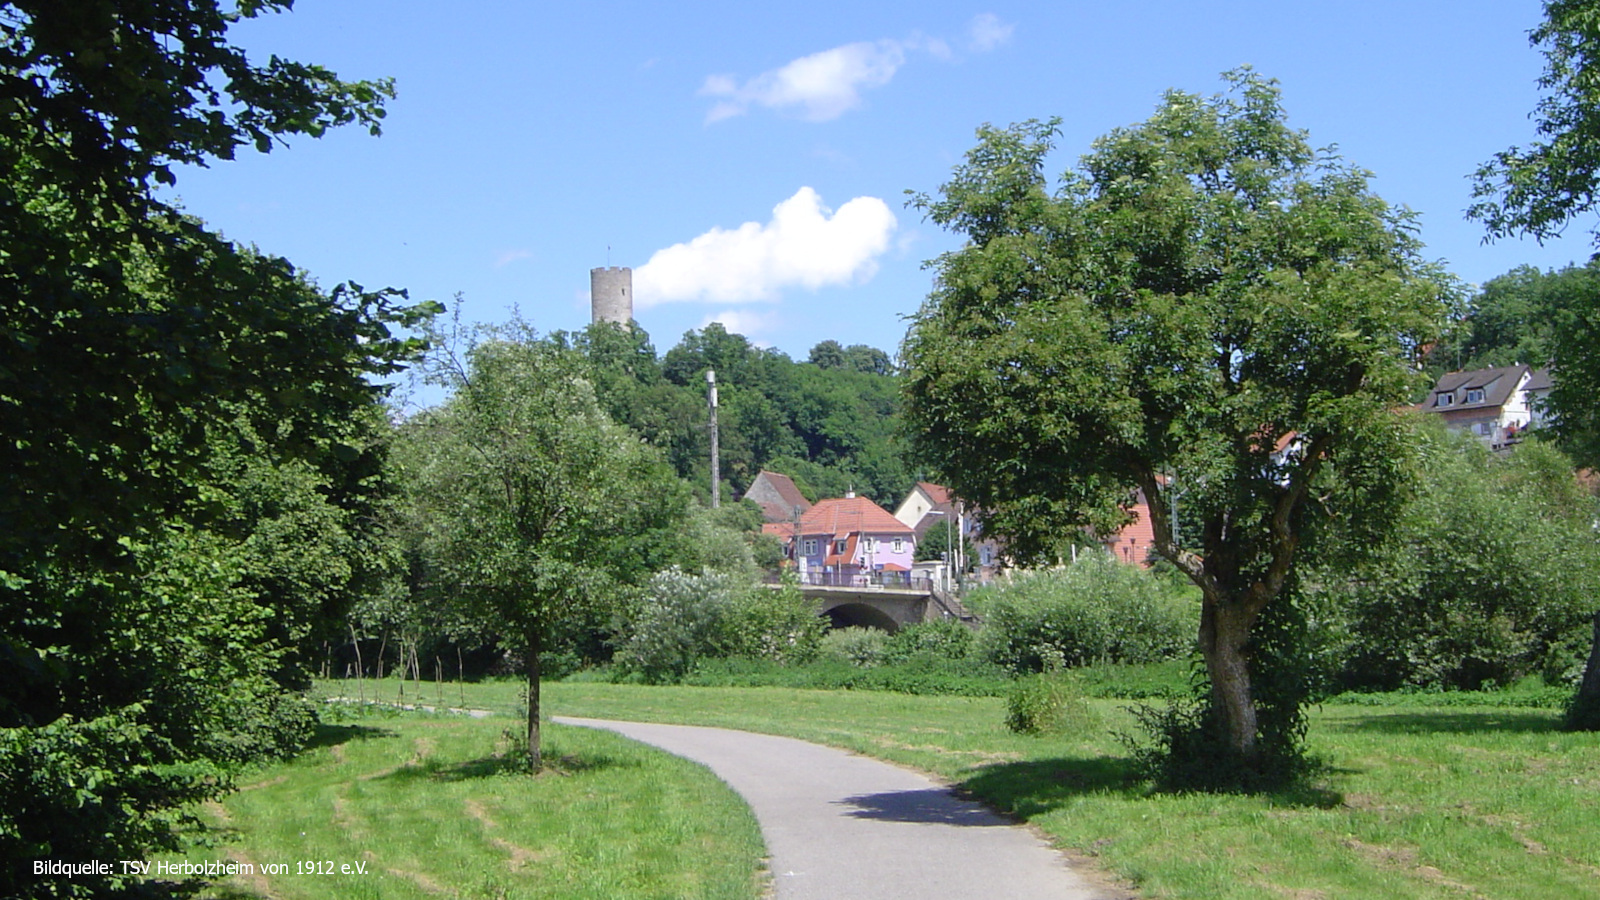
(532, 505)
(1206, 305)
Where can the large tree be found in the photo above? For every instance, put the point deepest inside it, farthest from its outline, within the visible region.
(145, 565)
(530, 504)
(1537, 191)
(1206, 305)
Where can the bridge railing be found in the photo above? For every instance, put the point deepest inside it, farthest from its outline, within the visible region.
(891, 580)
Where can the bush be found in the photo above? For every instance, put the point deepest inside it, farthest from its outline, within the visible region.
(1096, 610)
(962, 678)
(685, 618)
(1188, 751)
(855, 645)
(1490, 578)
(780, 626)
(674, 625)
(1048, 704)
(939, 639)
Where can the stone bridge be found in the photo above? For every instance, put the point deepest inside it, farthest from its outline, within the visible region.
(884, 607)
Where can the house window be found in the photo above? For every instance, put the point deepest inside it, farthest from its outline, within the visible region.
(899, 545)
(838, 546)
(869, 544)
(811, 547)
(1483, 428)
(1474, 395)
(1446, 400)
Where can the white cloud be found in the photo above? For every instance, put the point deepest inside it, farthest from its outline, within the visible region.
(508, 257)
(821, 86)
(987, 32)
(805, 244)
(743, 321)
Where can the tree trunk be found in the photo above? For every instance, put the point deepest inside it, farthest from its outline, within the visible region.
(1585, 711)
(1224, 632)
(535, 758)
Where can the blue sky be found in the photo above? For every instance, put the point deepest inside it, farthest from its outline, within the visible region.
(750, 161)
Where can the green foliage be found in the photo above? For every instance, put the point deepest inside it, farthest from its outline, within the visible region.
(186, 462)
(830, 423)
(1048, 704)
(529, 507)
(923, 676)
(1490, 578)
(941, 639)
(1093, 611)
(1537, 190)
(685, 618)
(1202, 290)
(855, 645)
(780, 626)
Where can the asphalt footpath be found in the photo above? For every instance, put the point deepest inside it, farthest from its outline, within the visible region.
(839, 826)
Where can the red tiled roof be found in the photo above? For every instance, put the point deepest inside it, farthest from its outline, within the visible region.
(848, 557)
(777, 496)
(850, 515)
(938, 493)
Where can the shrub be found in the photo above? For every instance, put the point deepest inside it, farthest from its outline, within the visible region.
(1490, 579)
(685, 618)
(674, 625)
(1095, 610)
(1048, 704)
(855, 645)
(781, 626)
(939, 639)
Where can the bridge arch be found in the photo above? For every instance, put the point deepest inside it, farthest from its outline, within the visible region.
(845, 615)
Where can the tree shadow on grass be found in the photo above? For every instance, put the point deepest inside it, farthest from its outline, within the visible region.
(496, 765)
(330, 735)
(1477, 721)
(1037, 787)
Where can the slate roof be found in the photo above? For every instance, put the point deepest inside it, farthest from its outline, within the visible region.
(1497, 385)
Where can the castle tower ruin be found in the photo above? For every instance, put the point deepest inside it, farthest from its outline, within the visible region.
(611, 295)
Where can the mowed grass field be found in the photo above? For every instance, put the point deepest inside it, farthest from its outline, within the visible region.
(413, 805)
(1418, 801)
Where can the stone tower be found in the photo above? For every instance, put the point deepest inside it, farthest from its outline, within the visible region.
(611, 295)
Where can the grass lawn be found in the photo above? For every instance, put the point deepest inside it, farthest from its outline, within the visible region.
(1419, 801)
(427, 807)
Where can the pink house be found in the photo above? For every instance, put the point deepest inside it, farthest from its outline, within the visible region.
(853, 541)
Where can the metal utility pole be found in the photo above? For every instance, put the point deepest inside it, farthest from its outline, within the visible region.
(716, 462)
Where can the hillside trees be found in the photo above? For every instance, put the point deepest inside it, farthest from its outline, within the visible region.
(830, 421)
(1206, 304)
(530, 505)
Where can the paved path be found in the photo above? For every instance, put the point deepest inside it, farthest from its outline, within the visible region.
(844, 827)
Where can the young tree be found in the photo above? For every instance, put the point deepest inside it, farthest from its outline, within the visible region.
(1207, 305)
(532, 505)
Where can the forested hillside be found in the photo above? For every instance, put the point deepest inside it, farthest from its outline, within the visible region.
(829, 421)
